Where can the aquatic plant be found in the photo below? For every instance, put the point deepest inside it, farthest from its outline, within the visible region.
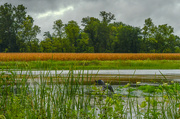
(29, 96)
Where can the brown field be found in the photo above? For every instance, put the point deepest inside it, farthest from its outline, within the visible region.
(87, 56)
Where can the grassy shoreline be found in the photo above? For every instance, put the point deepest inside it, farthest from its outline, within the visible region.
(88, 65)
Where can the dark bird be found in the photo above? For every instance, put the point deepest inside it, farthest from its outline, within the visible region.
(99, 82)
(104, 86)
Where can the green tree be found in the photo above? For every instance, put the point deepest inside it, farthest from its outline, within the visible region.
(58, 28)
(27, 33)
(107, 17)
(104, 41)
(148, 32)
(177, 47)
(114, 32)
(166, 41)
(72, 31)
(128, 39)
(46, 45)
(159, 38)
(7, 31)
(17, 29)
(91, 26)
(83, 44)
(99, 31)
(48, 35)
(34, 45)
(59, 42)
(58, 36)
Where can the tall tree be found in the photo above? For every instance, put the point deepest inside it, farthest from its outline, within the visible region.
(83, 44)
(128, 39)
(34, 45)
(107, 17)
(28, 33)
(159, 38)
(148, 32)
(58, 28)
(46, 45)
(48, 35)
(7, 31)
(165, 39)
(17, 29)
(104, 32)
(91, 26)
(72, 31)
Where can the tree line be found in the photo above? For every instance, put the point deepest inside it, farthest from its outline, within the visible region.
(19, 34)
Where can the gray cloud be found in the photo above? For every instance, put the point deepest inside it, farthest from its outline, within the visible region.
(132, 12)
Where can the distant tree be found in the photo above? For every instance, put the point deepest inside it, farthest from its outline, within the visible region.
(177, 47)
(58, 42)
(99, 31)
(48, 35)
(107, 17)
(34, 45)
(91, 26)
(28, 33)
(7, 31)
(107, 36)
(128, 39)
(159, 38)
(72, 31)
(166, 40)
(17, 29)
(104, 41)
(83, 44)
(148, 32)
(46, 45)
(114, 32)
(58, 28)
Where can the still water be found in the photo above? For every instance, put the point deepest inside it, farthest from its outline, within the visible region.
(113, 76)
(121, 72)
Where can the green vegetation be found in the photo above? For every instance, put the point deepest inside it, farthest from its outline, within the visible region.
(44, 98)
(19, 34)
(30, 97)
(116, 64)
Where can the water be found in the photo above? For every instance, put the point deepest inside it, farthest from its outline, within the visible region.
(103, 72)
(112, 76)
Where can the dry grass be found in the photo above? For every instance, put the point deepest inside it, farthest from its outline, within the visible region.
(87, 56)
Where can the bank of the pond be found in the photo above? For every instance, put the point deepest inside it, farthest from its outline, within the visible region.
(88, 65)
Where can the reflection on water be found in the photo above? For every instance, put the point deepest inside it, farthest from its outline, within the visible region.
(121, 72)
(111, 76)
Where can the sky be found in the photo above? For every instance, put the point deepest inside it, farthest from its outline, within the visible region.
(131, 12)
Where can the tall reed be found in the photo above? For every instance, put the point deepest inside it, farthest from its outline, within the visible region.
(58, 96)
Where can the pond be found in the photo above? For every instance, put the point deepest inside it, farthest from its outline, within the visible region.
(65, 94)
(111, 76)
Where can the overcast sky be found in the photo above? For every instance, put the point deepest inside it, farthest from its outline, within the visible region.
(132, 12)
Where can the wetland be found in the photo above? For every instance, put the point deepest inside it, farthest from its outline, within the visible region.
(73, 94)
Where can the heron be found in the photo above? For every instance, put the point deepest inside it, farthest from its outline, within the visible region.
(104, 85)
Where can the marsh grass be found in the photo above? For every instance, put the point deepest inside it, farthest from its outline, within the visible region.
(94, 64)
(44, 97)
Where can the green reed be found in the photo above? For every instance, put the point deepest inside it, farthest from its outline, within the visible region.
(50, 96)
